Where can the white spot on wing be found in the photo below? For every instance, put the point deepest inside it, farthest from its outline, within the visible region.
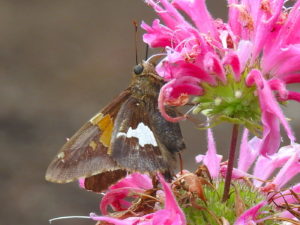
(142, 133)
(61, 156)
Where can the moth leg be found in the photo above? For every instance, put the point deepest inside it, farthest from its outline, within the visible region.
(180, 163)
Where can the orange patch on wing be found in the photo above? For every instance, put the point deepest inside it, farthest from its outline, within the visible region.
(106, 126)
(93, 145)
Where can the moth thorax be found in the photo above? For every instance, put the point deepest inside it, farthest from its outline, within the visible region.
(146, 86)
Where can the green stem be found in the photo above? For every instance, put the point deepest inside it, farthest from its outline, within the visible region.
(234, 138)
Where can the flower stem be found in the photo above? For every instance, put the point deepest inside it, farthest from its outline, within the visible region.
(234, 137)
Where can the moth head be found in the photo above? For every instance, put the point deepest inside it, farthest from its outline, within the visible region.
(138, 69)
(144, 68)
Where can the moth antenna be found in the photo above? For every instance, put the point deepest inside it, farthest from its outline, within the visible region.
(147, 51)
(69, 217)
(135, 41)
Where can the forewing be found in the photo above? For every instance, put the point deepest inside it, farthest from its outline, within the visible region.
(86, 153)
(135, 145)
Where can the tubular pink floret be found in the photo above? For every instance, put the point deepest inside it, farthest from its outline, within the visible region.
(292, 78)
(116, 199)
(175, 93)
(278, 85)
(232, 60)
(198, 12)
(292, 95)
(250, 216)
(213, 65)
(271, 116)
(290, 169)
(286, 195)
(116, 194)
(157, 35)
(211, 159)
(161, 107)
(248, 151)
(255, 77)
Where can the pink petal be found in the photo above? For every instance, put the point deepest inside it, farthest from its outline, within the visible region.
(289, 32)
(180, 68)
(290, 169)
(170, 215)
(286, 196)
(292, 95)
(292, 78)
(157, 35)
(289, 198)
(165, 217)
(233, 18)
(213, 65)
(173, 91)
(279, 86)
(248, 151)
(168, 13)
(250, 216)
(271, 116)
(244, 53)
(232, 60)
(115, 199)
(198, 12)
(212, 160)
(81, 182)
(265, 24)
(282, 61)
(175, 212)
(135, 180)
(240, 18)
(236, 173)
(199, 158)
(255, 77)
(288, 65)
(270, 164)
(287, 214)
(116, 193)
(271, 134)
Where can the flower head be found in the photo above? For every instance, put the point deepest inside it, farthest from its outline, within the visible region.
(171, 214)
(286, 160)
(238, 70)
(116, 194)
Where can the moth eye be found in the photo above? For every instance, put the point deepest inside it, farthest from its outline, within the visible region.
(138, 69)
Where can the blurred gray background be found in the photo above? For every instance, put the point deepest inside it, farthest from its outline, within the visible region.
(60, 62)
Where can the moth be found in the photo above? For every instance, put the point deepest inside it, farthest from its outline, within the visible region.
(128, 135)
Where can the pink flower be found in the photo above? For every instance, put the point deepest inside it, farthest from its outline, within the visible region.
(286, 159)
(256, 54)
(116, 194)
(171, 214)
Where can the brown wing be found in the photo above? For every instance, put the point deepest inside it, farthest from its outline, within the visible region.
(102, 181)
(86, 153)
(135, 144)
